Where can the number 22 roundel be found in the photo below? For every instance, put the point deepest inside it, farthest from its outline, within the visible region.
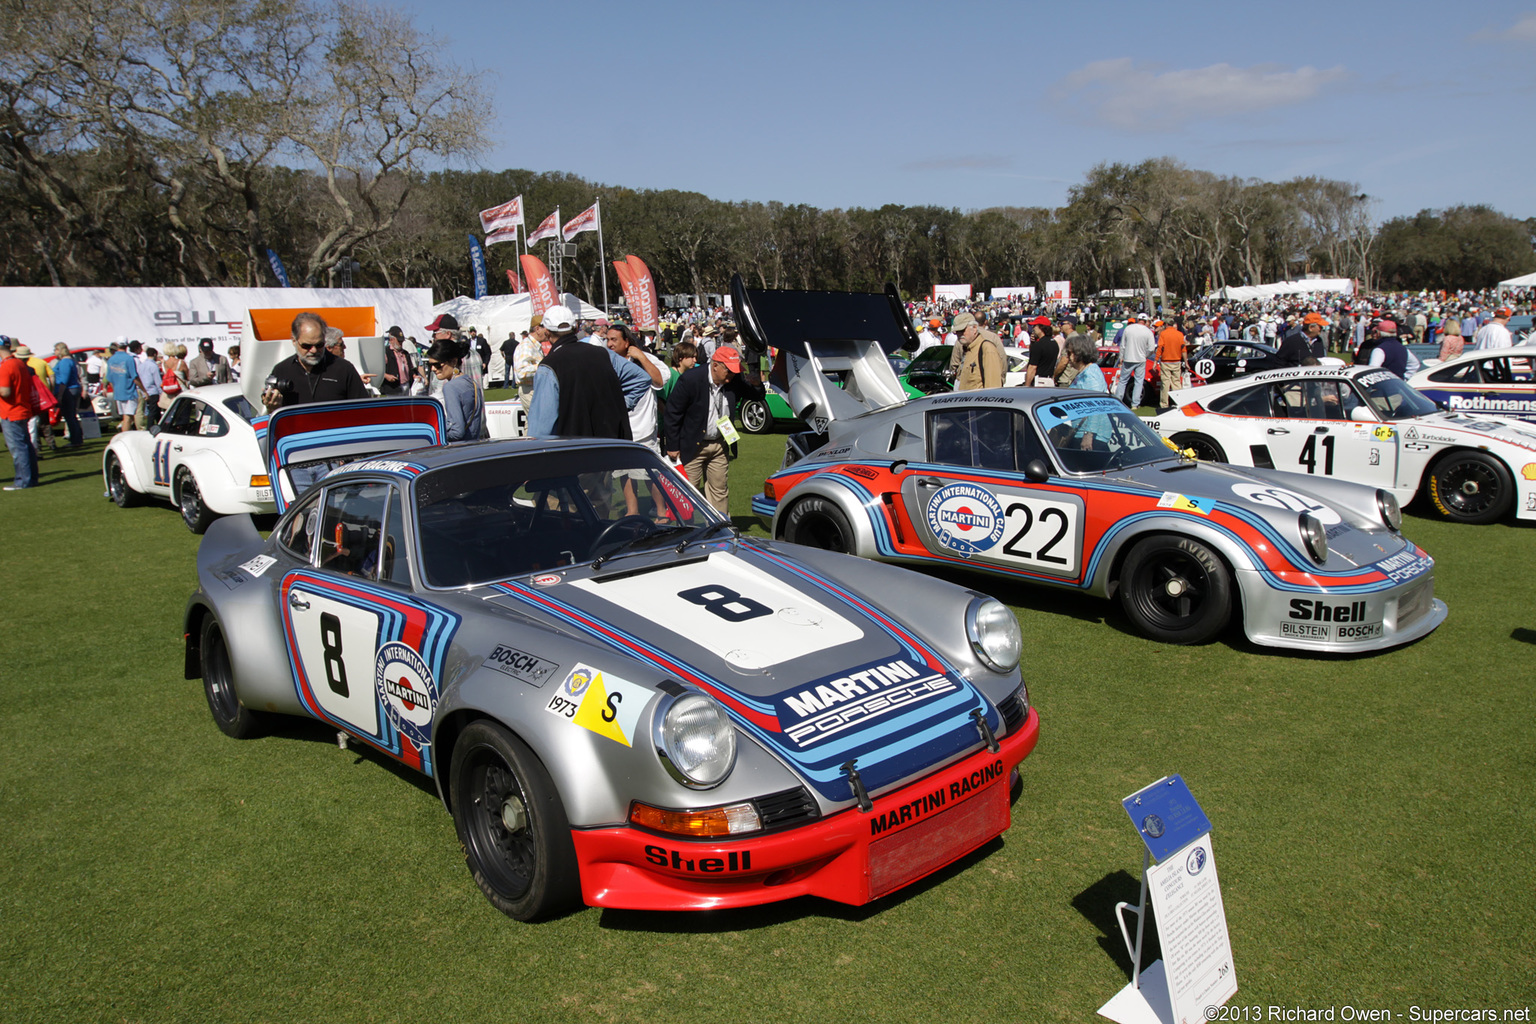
(1026, 530)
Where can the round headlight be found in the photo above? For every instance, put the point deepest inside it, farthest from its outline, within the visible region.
(994, 632)
(696, 741)
(1315, 537)
(1391, 511)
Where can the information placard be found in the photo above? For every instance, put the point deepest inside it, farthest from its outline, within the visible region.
(1192, 927)
(1166, 816)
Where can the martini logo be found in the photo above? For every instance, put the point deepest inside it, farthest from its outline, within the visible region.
(606, 705)
(966, 518)
(406, 690)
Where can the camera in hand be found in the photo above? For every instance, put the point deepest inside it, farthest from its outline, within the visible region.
(275, 383)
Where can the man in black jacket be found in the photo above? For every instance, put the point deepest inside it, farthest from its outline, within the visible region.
(698, 421)
(311, 374)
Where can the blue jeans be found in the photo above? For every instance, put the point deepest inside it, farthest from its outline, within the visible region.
(19, 441)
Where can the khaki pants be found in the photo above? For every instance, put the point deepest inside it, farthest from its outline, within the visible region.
(1173, 379)
(710, 472)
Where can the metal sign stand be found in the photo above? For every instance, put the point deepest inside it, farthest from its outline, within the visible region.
(1168, 821)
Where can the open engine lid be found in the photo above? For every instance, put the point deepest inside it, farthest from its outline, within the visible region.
(302, 443)
(828, 338)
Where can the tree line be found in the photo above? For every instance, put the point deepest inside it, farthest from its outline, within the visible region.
(157, 142)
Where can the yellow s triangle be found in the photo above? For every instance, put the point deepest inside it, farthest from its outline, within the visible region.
(596, 713)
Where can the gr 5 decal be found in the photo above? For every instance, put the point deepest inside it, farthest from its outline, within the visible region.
(606, 705)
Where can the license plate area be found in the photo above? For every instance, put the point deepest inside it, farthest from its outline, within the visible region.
(896, 860)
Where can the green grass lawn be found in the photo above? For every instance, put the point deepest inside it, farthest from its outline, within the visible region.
(1373, 825)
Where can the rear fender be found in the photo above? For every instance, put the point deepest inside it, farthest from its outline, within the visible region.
(835, 489)
(214, 480)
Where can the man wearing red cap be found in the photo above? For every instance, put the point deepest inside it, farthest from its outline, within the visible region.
(1043, 354)
(1494, 333)
(1304, 345)
(1390, 353)
(699, 430)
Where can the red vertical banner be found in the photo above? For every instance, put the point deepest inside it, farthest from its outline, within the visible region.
(627, 282)
(514, 281)
(646, 312)
(540, 285)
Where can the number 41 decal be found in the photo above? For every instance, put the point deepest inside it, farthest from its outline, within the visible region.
(1309, 454)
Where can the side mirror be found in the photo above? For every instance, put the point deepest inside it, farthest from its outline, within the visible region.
(1360, 414)
(154, 429)
(1036, 471)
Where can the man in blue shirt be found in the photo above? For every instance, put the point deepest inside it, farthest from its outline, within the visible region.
(123, 376)
(149, 379)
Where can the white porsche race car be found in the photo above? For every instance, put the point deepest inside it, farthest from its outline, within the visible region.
(1363, 424)
(203, 456)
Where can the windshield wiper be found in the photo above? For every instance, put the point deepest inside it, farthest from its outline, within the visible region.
(621, 549)
(706, 531)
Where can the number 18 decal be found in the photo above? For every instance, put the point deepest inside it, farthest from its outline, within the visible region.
(1040, 533)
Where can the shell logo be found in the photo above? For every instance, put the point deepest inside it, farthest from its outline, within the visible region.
(1528, 471)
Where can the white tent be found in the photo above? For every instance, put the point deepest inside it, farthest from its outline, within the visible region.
(1523, 281)
(1246, 293)
(496, 315)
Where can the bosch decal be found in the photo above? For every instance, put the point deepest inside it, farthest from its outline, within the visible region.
(258, 565)
(966, 518)
(520, 665)
(852, 699)
(407, 691)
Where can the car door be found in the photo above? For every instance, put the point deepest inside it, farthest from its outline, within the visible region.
(170, 445)
(366, 653)
(1311, 431)
(979, 504)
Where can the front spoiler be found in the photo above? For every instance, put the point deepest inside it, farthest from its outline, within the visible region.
(850, 857)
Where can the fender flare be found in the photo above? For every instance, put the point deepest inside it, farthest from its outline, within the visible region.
(214, 480)
(840, 491)
(131, 471)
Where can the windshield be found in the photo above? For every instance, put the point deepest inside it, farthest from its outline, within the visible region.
(1391, 397)
(240, 407)
(1098, 433)
(490, 520)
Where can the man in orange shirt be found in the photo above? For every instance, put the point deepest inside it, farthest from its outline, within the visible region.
(1172, 359)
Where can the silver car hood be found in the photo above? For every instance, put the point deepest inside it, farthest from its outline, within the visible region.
(815, 675)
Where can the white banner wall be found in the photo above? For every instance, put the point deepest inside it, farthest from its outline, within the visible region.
(82, 317)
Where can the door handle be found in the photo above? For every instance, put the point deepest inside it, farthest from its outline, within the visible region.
(1278, 430)
(175, 447)
(1320, 430)
(296, 602)
(928, 481)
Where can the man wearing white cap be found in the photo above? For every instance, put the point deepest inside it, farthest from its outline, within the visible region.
(1494, 333)
(581, 390)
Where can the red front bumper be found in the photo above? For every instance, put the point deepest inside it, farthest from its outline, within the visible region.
(850, 857)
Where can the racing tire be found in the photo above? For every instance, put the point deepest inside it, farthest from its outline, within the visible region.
(1176, 589)
(1471, 487)
(512, 824)
(194, 511)
(233, 718)
(1205, 447)
(754, 416)
(817, 522)
(118, 490)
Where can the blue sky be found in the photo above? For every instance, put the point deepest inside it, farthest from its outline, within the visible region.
(970, 104)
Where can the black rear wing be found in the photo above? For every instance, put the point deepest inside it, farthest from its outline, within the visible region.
(827, 337)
